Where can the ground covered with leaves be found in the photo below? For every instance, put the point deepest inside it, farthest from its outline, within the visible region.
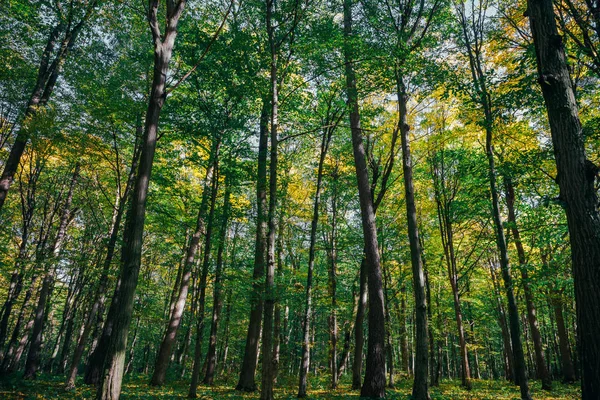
(137, 387)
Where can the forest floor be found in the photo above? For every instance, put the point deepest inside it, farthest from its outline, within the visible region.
(51, 387)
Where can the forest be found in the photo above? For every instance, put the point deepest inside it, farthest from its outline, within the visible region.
(326, 199)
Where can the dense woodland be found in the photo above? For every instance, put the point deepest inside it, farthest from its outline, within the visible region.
(300, 198)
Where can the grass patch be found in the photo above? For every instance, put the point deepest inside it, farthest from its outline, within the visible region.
(137, 387)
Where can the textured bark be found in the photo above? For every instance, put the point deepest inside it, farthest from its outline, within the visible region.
(536, 336)
(122, 307)
(374, 381)
(182, 287)
(248, 369)
(576, 177)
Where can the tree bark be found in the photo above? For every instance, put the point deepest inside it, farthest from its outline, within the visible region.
(483, 96)
(246, 381)
(374, 381)
(112, 376)
(576, 177)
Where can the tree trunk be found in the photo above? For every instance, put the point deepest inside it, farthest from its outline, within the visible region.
(246, 382)
(420, 386)
(374, 381)
(513, 311)
(508, 355)
(359, 332)
(34, 354)
(576, 177)
(114, 359)
(332, 286)
(97, 307)
(444, 199)
(211, 355)
(568, 369)
(202, 284)
(540, 362)
(48, 72)
(311, 265)
(12, 343)
(266, 392)
(176, 315)
(483, 97)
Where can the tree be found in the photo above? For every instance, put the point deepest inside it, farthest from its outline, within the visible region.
(374, 382)
(576, 176)
(110, 383)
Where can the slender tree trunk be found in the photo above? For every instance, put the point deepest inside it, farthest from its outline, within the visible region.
(14, 290)
(164, 353)
(479, 81)
(114, 359)
(202, 284)
(374, 381)
(211, 355)
(51, 63)
(576, 177)
(513, 312)
(359, 333)
(444, 199)
(12, 343)
(508, 354)
(332, 286)
(420, 385)
(540, 362)
(268, 375)
(34, 354)
(388, 324)
(97, 307)
(311, 265)
(568, 370)
(246, 382)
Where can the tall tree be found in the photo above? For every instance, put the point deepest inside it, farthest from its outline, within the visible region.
(114, 359)
(374, 381)
(576, 177)
(165, 349)
(472, 31)
(329, 125)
